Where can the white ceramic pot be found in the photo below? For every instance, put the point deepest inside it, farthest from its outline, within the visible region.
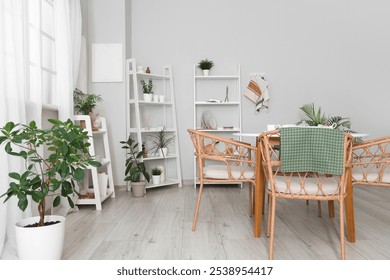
(40, 243)
(163, 152)
(103, 180)
(148, 97)
(206, 72)
(156, 179)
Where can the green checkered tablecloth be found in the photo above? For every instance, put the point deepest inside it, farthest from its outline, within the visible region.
(312, 149)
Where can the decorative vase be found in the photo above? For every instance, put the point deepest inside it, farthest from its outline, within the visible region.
(148, 97)
(162, 98)
(163, 152)
(138, 188)
(206, 72)
(156, 179)
(162, 176)
(40, 243)
(103, 180)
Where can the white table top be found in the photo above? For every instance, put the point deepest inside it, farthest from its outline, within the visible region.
(245, 134)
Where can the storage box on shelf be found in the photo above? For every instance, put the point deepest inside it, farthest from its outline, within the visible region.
(146, 118)
(101, 185)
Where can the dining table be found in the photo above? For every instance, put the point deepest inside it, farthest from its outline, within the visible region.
(259, 192)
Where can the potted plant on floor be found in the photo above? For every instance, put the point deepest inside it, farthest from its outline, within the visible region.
(160, 142)
(147, 89)
(156, 173)
(135, 167)
(85, 103)
(205, 65)
(53, 173)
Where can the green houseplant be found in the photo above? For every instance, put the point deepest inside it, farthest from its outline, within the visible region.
(205, 65)
(147, 89)
(135, 167)
(85, 103)
(156, 173)
(160, 142)
(54, 173)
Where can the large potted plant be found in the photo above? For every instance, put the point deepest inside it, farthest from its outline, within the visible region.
(205, 65)
(52, 173)
(135, 167)
(85, 103)
(160, 142)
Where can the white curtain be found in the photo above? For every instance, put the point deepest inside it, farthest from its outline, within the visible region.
(14, 85)
(12, 107)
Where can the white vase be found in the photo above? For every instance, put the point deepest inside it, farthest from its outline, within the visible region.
(40, 243)
(162, 98)
(206, 72)
(155, 98)
(156, 179)
(162, 176)
(148, 97)
(163, 152)
(103, 180)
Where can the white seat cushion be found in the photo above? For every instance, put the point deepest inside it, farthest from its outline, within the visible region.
(221, 172)
(357, 175)
(329, 186)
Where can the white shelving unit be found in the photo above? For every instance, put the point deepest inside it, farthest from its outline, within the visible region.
(226, 114)
(145, 118)
(100, 149)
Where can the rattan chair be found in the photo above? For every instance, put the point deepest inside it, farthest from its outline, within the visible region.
(222, 160)
(371, 162)
(301, 185)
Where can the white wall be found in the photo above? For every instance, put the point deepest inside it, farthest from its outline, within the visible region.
(334, 53)
(104, 22)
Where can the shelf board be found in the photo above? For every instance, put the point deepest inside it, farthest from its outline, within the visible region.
(217, 103)
(98, 132)
(158, 157)
(218, 77)
(167, 182)
(235, 129)
(152, 76)
(154, 130)
(141, 102)
(87, 201)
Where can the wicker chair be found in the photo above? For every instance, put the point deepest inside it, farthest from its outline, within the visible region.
(371, 162)
(222, 160)
(301, 185)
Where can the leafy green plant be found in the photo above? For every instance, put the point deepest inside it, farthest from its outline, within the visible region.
(85, 103)
(156, 171)
(134, 165)
(161, 140)
(147, 88)
(340, 123)
(54, 174)
(205, 64)
(315, 118)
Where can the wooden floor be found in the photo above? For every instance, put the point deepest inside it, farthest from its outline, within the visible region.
(158, 226)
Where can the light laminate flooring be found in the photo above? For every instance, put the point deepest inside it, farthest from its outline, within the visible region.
(158, 226)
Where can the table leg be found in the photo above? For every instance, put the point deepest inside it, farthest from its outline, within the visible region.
(349, 211)
(259, 193)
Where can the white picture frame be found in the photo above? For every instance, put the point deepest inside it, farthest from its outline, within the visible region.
(107, 63)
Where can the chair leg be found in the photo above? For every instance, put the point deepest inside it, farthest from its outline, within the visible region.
(342, 242)
(331, 208)
(271, 239)
(250, 200)
(269, 216)
(197, 207)
(319, 210)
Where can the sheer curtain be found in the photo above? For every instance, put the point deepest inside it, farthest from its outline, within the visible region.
(16, 86)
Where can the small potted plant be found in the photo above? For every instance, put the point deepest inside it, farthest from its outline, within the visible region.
(156, 174)
(160, 142)
(135, 167)
(205, 65)
(85, 103)
(147, 89)
(53, 173)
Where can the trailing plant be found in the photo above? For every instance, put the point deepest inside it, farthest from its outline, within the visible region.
(134, 164)
(161, 140)
(147, 88)
(156, 171)
(85, 103)
(205, 64)
(53, 174)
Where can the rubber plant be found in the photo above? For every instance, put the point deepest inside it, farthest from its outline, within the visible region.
(52, 173)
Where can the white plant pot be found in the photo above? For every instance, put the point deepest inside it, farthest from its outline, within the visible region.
(148, 97)
(40, 243)
(103, 180)
(206, 72)
(156, 179)
(163, 152)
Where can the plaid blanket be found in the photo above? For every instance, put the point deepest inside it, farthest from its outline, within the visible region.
(313, 149)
